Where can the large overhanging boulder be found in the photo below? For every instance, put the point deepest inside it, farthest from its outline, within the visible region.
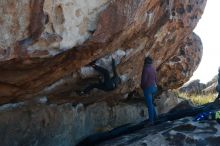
(45, 45)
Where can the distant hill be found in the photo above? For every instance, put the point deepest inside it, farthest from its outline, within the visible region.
(195, 87)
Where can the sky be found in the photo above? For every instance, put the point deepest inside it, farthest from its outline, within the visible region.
(208, 29)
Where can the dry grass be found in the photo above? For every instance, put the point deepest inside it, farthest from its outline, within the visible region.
(198, 99)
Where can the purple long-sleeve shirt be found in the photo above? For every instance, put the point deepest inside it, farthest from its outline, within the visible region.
(148, 77)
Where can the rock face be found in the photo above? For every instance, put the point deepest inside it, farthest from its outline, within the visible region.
(45, 49)
(211, 86)
(166, 101)
(42, 28)
(40, 124)
(44, 45)
(64, 125)
(193, 87)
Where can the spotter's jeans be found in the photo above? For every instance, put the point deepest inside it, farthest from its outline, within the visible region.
(149, 92)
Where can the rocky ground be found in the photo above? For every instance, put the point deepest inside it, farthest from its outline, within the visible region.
(183, 132)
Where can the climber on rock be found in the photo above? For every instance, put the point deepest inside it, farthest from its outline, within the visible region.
(149, 86)
(108, 84)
